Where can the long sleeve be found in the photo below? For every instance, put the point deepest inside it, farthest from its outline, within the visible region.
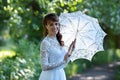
(44, 56)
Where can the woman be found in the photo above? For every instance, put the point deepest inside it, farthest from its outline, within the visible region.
(53, 57)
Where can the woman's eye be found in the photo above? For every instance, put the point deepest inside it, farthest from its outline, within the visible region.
(52, 24)
(56, 24)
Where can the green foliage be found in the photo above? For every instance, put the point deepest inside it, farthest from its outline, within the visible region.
(77, 66)
(106, 57)
(117, 74)
(25, 65)
(20, 18)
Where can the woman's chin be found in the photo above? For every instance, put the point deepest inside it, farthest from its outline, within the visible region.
(54, 33)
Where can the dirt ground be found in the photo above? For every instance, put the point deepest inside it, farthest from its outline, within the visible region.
(101, 72)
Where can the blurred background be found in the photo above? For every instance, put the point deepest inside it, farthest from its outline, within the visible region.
(21, 34)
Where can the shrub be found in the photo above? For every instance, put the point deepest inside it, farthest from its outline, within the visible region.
(25, 65)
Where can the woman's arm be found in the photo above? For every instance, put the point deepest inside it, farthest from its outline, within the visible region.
(44, 58)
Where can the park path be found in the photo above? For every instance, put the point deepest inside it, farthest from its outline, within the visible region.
(101, 72)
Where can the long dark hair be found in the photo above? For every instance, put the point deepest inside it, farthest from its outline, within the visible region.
(52, 17)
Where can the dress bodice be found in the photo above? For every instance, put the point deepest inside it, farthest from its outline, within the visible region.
(51, 54)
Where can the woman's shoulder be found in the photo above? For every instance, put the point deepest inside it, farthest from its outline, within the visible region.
(45, 41)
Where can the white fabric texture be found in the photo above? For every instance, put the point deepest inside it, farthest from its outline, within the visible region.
(52, 59)
(87, 32)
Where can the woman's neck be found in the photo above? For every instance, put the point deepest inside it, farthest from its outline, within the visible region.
(50, 35)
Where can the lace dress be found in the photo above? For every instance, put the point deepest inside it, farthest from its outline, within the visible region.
(51, 59)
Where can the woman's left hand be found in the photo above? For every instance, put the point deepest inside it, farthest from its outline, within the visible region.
(72, 46)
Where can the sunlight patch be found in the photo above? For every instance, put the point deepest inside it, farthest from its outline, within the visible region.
(5, 53)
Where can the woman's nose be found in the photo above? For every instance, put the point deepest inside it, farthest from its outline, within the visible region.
(54, 26)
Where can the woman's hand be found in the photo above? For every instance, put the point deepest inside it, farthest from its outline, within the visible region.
(71, 48)
(66, 57)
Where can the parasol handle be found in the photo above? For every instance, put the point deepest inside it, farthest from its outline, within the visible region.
(76, 34)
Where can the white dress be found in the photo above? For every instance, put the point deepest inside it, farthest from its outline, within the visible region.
(52, 60)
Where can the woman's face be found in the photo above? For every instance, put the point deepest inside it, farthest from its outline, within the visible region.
(52, 28)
